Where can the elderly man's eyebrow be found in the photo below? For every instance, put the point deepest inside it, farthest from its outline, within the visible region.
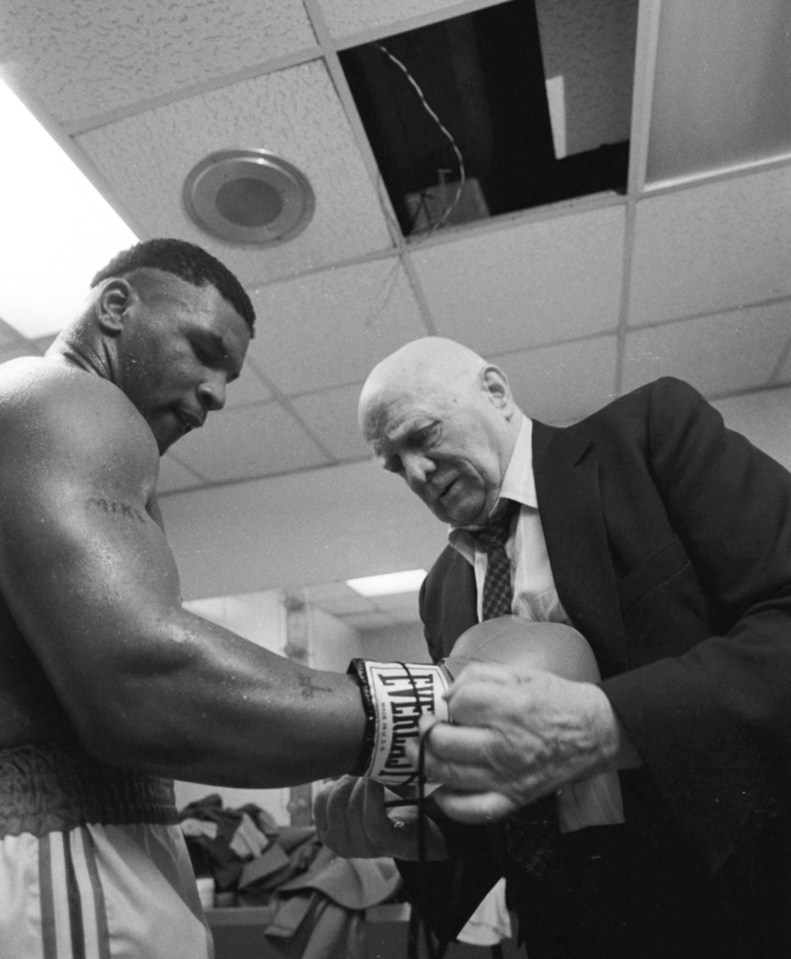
(408, 427)
(418, 431)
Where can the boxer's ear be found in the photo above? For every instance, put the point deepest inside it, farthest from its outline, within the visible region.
(112, 304)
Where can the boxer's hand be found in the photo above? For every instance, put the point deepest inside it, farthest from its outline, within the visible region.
(518, 735)
(352, 820)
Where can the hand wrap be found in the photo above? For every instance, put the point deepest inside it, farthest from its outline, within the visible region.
(395, 696)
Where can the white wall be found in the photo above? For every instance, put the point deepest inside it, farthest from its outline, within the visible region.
(332, 643)
(764, 418)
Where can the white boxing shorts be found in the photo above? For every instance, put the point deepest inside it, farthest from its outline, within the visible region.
(92, 863)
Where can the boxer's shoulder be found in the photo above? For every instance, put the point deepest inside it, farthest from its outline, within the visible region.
(66, 426)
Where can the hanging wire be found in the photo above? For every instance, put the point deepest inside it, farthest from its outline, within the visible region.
(444, 130)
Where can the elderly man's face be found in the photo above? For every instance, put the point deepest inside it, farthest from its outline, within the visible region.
(448, 448)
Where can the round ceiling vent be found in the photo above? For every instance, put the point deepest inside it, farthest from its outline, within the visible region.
(248, 196)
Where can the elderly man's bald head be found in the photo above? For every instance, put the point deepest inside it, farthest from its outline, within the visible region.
(442, 417)
(431, 363)
(432, 357)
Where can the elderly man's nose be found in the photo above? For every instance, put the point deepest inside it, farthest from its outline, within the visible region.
(417, 468)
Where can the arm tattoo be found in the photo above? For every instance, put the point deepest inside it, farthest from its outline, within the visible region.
(308, 687)
(119, 509)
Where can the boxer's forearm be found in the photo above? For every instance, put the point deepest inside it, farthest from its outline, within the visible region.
(202, 704)
(196, 702)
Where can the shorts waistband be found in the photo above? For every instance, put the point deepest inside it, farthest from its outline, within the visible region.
(46, 787)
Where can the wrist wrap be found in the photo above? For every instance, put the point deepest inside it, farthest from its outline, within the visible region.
(395, 696)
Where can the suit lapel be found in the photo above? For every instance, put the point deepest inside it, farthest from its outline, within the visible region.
(448, 602)
(567, 485)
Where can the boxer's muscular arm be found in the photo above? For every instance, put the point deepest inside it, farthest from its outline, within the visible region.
(93, 587)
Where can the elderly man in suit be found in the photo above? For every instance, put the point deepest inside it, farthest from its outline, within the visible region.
(665, 540)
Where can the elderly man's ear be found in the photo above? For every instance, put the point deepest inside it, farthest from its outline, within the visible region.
(496, 384)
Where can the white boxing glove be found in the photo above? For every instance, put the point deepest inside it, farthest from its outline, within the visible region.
(395, 696)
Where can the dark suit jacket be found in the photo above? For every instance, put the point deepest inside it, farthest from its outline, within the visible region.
(670, 543)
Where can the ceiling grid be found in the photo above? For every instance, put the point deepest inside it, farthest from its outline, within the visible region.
(578, 299)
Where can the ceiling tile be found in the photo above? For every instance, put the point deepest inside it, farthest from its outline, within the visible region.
(249, 388)
(8, 334)
(328, 524)
(337, 598)
(721, 353)
(96, 56)
(712, 247)
(372, 620)
(10, 351)
(331, 415)
(175, 476)
(251, 441)
(348, 17)
(763, 418)
(784, 373)
(331, 328)
(528, 283)
(558, 384)
(293, 113)
(43, 343)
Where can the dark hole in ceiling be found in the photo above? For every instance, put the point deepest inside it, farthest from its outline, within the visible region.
(482, 74)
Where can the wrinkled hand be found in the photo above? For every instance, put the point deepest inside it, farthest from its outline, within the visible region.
(352, 820)
(518, 735)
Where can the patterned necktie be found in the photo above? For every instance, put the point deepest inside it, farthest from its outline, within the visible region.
(497, 591)
(532, 833)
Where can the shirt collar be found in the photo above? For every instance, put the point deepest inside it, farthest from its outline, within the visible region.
(519, 483)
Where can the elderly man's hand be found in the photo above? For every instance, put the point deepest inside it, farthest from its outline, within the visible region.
(352, 820)
(518, 735)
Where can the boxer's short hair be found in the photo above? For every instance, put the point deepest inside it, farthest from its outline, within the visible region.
(188, 262)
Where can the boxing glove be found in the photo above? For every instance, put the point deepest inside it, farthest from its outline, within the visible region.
(559, 649)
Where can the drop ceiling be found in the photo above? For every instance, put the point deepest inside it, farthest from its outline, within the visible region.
(578, 300)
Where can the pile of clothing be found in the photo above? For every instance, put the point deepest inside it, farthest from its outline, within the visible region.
(314, 902)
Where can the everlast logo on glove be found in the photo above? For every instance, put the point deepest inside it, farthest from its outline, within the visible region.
(399, 695)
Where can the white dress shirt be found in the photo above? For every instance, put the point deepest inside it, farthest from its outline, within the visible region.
(535, 596)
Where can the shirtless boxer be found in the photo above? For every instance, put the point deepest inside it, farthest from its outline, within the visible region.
(108, 687)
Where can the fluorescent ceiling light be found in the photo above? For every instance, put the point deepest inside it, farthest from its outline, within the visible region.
(407, 581)
(56, 230)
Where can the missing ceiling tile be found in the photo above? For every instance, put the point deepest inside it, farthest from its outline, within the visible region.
(500, 110)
